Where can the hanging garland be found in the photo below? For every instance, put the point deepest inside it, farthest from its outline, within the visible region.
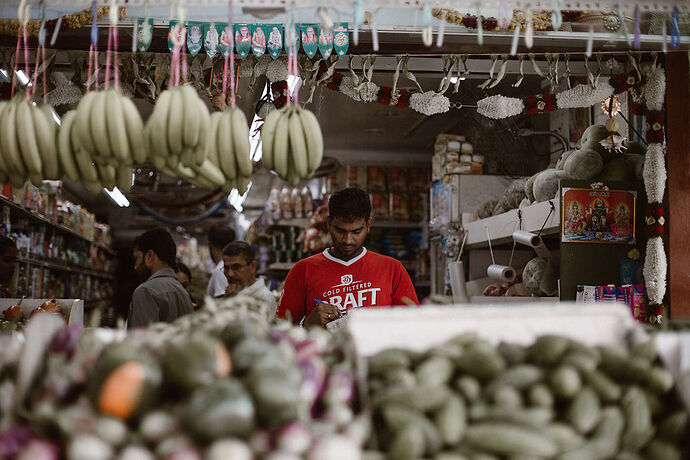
(541, 20)
(72, 21)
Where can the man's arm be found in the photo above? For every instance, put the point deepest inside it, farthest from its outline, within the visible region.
(217, 284)
(403, 289)
(143, 309)
(293, 299)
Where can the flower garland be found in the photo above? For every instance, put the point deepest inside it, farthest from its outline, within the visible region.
(73, 21)
(429, 103)
(498, 107)
(583, 96)
(541, 20)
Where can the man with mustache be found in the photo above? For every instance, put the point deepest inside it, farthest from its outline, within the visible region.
(323, 287)
(239, 266)
(160, 297)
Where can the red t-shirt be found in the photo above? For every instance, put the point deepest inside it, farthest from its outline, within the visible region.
(368, 280)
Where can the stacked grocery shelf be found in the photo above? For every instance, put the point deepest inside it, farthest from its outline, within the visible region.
(57, 260)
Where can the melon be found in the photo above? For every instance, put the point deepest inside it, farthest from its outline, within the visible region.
(583, 164)
(546, 184)
(533, 273)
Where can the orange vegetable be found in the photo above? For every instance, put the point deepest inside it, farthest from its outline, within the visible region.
(122, 389)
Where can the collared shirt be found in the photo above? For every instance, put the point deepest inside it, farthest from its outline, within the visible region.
(159, 298)
(218, 282)
(260, 291)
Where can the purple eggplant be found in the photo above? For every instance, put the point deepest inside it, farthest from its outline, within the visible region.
(14, 440)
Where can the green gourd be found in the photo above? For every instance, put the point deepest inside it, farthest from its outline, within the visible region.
(546, 184)
(583, 164)
(617, 169)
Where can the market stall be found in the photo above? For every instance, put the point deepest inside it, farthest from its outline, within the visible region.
(524, 162)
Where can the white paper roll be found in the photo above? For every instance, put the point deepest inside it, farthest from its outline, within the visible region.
(454, 146)
(457, 282)
(467, 148)
(533, 241)
(502, 273)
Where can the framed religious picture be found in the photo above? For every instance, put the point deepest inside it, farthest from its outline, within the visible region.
(598, 215)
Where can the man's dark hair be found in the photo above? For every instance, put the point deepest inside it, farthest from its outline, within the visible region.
(220, 235)
(160, 242)
(350, 204)
(239, 248)
(179, 267)
(5, 244)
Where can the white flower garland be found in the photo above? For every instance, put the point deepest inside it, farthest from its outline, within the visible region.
(247, 67)
(277, 70)
(654, 173)
(369, 91)
(347, 87)
(654, 90)
(429, 103)
(584, 96)
(655, 270)
(498, 107)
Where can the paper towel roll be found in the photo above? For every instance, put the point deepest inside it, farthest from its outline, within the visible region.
(502, 273)
(457, 282)
(533, 241)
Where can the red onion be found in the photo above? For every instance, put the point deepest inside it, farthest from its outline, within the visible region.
(65, 340)
(307, 349)
(314, 371)
(14, 439)
(294, 437)
(38, 450)
(335, 447)
(260, 440)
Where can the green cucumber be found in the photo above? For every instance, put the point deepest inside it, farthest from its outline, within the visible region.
(401, 377)
(510, 439)
(507, 396)
(408, 443)
(421, 398)
(674, 427)
(584, 410)
(468, 386)
(659, 380)
(539, 395)
(621, 367)
(397, 416)
(520, 376)
(565, 381)
(196, 362)
(534, 417)
(273, 391)
(481, 363)
(547, 350)
(451, 420)
(564, 436)
(434, 371)
(606, 388)
(638, 429)
(387, 360)
(660, 450)
(514, 354)
(645, 350)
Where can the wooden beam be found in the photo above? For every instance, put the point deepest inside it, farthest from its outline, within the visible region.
(678, 165)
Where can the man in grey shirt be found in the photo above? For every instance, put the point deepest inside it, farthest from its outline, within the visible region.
(161, 297)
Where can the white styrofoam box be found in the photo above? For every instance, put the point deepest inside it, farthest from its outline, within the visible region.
(674, 350)
(418, 329)
(73, 309)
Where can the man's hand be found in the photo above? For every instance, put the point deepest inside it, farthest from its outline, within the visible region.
(322, 314)
(232, 289)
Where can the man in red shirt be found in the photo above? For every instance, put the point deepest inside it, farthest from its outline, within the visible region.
(325, 286)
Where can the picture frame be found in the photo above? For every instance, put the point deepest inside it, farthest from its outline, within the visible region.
(593, 215)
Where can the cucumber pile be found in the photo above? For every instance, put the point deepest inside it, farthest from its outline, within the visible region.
(468, 399)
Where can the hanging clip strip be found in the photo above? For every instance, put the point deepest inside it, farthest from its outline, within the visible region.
(675, 30)
(535, 67)
(441, 30)
(529, 29)
(556, 16)
(590, 42)
(501, 72)
(427, 31)
(504, 15)
(636, 42)
(409, 75)
(94, 26)
(358, 14)
(494, 58)
(480, 26)
(42, 29)
(624, 27)
(516, 39)
(522, 73)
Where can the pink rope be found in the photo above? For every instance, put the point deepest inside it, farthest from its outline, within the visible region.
(16, 63)
(96, 69)
(89, 72)
(34, 83)
(232, 72)
(26, 60)
(184, 62)
(107, 57)
(115, 60)
(225, 81)
(292, 70)
(45, 85)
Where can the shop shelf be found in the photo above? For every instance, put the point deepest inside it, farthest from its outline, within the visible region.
(292, 223)
(66, 268)
(281, 266)
(502, 226)
(396, 224)
(42, 219)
